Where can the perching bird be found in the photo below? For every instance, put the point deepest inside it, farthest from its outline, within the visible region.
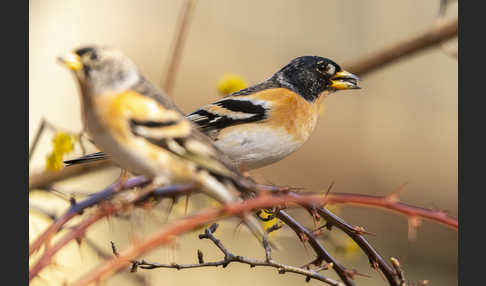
(263, 124)
(143, 132)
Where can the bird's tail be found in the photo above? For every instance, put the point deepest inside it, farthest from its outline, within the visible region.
(87, 158)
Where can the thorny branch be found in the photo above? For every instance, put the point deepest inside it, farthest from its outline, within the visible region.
(322, 253)
(177, 190)
(185, 224)
(230, 258)
(90, 243)
(379, 59)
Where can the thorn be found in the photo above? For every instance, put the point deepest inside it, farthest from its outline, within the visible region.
(353, 272)
(113, 249)
(328, 225)
(213, 227)
(169, 208)
(360, 230)
(134, 266)
(303, 237)
(315, 216)
(374, 264)
(186, 204)
(413, 224)
(329, 188)
(395, 196)
(281, 270)
(200, 256)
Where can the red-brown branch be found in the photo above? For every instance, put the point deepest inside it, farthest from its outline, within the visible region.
(76, 232)
(78, 208)
(186, 224)
(171, 191)
(389, 203)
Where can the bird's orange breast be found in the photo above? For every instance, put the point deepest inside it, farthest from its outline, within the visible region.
(291, 111)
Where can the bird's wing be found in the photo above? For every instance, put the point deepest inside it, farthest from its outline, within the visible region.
(229, 111)
(168, 129)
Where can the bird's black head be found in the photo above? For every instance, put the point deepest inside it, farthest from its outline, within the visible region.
(311, 75)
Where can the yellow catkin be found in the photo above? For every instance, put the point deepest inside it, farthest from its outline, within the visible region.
(230, 83)
(62, 144)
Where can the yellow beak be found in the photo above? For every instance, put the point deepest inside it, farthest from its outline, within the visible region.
(344, 80)
(72, 61)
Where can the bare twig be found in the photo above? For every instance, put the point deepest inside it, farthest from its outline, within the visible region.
(178, 44)
(44, 179)
(90, 243)
(404, 48)
(322, 253)
(356, 233)
(78, 208)
(37, 136)
(230, 258)
(262, 201)
(166, 235)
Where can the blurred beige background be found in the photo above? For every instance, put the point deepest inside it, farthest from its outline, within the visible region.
(401, 127)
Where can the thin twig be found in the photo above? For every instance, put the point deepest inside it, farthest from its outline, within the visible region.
(322, 253)
(168, 233)
(90, 243)
(262, 201)
(356, 234)
(78, 208)
(230, 257)
(401, 49)
(38, 134)
(178, 44)
(44, 179)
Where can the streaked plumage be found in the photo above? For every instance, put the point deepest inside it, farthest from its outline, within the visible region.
(144, 132)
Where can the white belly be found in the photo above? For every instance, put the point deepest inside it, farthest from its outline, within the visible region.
(256, 147)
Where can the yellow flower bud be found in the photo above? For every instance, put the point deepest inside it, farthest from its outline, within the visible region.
(230, 83)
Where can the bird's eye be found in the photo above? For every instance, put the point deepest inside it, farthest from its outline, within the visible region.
(327, 69)
(93, 56)
(330, 69)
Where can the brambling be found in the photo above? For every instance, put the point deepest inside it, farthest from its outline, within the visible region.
(263, 124)
(142, 131)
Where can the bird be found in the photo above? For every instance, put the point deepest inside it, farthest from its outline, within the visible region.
(144, 132)
(262, 124)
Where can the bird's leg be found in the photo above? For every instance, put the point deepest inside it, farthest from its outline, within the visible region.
(120, 182)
